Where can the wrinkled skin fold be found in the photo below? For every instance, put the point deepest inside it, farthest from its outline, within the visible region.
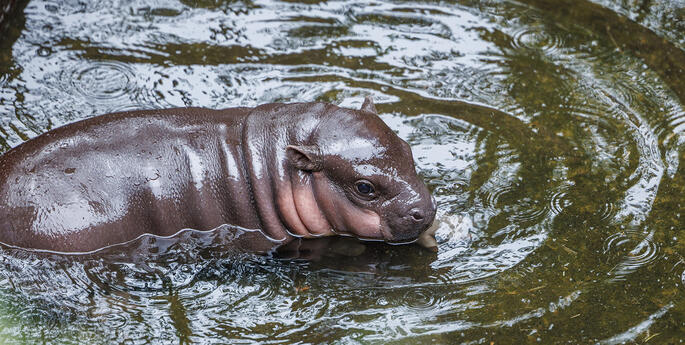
(291, 170)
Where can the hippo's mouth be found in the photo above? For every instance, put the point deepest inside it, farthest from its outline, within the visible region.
(407, 237)
(381, 233)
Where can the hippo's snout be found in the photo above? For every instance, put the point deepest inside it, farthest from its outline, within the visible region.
(421, 218)
(408, 225)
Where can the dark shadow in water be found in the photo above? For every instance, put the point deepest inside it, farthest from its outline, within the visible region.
(12, 23)
(61, 290)
(169, 54)
(146, 265)
(179, 318)
(352, 255)
(10, 10)
(218, 4)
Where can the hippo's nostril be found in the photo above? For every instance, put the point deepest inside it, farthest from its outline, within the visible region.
(416, 214)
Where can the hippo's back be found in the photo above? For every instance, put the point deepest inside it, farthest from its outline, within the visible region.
(100, 181)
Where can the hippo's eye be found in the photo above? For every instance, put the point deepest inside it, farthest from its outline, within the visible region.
(365, 188)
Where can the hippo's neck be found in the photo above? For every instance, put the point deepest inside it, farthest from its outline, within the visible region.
(268, 130)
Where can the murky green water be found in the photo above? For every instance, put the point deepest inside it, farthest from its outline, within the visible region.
(551, 132)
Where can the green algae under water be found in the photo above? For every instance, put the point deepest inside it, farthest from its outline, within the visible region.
(552, 134)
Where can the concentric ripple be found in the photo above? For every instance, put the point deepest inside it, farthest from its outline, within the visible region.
(419, 299)
(511, 200)
(491, 197)
(106, 82)
(633, 250)
(530, 211)
(536, 38)
(560, 200)
(467, 83)
(676, 125)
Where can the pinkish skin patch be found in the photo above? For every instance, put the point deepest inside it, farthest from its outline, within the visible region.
(342, 214)
(286, 207)
(307, 208)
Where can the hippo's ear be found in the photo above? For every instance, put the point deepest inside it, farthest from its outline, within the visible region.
(307, 158)
(368, 105)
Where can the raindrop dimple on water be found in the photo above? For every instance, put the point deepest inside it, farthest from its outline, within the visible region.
(44, 51)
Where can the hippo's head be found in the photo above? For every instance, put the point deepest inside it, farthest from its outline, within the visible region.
(317, 169)
(355, 176)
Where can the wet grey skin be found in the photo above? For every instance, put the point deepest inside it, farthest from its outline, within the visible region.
(292, 170)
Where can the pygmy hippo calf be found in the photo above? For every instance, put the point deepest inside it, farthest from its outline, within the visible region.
(290, 170)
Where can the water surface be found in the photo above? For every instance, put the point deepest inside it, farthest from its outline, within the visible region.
(552, 134)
